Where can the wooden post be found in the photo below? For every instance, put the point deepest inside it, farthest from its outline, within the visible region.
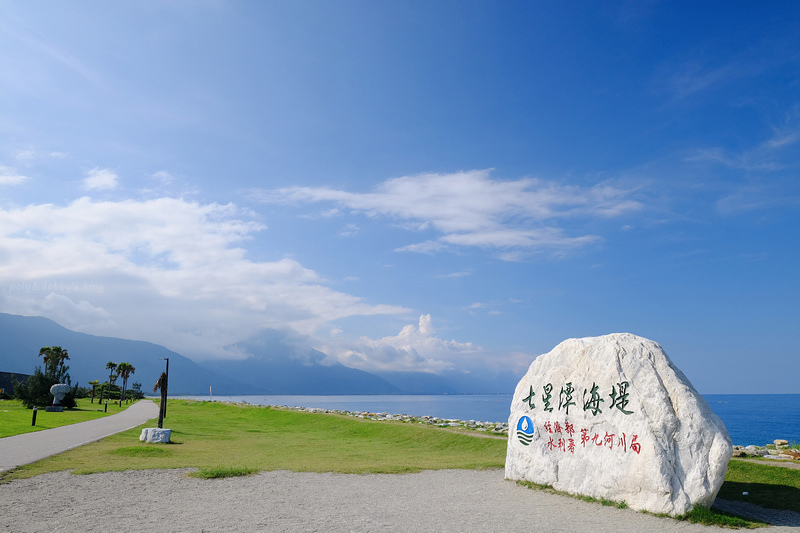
(161, 384)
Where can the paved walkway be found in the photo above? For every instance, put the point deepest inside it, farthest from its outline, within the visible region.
(29, 447)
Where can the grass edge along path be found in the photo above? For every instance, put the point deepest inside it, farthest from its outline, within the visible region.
(698, 515)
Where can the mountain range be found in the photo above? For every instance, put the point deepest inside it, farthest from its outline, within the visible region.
(275, 364)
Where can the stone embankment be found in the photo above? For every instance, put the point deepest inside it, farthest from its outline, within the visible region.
(496, 428)
(778, 450)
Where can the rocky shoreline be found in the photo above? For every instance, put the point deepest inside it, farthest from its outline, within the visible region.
(496, 428)
(778, 450)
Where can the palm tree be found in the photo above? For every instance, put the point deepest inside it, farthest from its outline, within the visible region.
(94, 384)
(111, 366)
(124, 370)
(53, 358)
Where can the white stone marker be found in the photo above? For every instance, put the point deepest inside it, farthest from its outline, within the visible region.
(611, 417)
(156, 435)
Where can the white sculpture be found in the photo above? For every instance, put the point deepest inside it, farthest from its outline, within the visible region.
(59, 390)
(612, 417)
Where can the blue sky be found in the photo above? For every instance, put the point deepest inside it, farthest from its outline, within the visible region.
(433, 186)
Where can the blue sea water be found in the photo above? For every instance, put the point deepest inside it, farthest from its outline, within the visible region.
(758, 418)
(750, 418)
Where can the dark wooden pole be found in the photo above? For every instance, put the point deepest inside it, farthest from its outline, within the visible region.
(166, 386)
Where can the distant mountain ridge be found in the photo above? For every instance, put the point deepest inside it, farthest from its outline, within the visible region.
(276, 364)
(21, 337)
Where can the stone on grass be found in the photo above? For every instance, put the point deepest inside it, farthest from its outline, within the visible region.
(611, 417)
(155, 435)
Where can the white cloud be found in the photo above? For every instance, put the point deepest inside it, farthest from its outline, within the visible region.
(766, 173)
(25, 155)
(162, 176)
(100, 179)
(453, 275)
(417, 348)
(471, 209)
(757, 196)
(166, 270)
(427, 247)
(10, 177)
(349, 230)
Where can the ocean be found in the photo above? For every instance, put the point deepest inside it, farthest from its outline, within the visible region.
(750, 418)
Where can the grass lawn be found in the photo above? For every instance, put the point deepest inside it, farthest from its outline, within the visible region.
(16, 419)
(767, 485)
(224, 437)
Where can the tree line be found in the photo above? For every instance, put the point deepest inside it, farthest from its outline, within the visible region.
(36, 390)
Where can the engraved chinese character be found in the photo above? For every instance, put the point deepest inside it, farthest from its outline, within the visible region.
(569, 429)
(622, 442)
(546, 398)
(529, 399)
(565, 397)
(593, 403)
(584, 437)
(620, 401)
(635, 446)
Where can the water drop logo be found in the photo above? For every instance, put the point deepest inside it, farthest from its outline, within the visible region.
(525, 430)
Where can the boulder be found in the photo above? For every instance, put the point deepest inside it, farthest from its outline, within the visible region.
(611, 417)
(780, 442)
(155, 435)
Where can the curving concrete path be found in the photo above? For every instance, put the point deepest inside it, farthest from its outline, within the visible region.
(29, 447)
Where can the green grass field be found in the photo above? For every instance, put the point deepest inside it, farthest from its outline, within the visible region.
(767, 485)
(16, 419)
(223, 440)
(212, 436)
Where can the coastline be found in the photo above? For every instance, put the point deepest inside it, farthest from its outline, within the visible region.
(751, 419)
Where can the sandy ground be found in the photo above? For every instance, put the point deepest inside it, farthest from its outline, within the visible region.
(446, 500)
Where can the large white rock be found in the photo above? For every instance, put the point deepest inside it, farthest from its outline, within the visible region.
(611, 417)
(155, 435)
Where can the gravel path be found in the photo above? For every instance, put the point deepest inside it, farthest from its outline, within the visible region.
(445, 500)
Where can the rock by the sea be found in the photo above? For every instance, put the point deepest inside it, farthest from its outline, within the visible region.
(611, 417)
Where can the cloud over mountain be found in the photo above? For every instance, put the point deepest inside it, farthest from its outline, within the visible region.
(169, 267)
